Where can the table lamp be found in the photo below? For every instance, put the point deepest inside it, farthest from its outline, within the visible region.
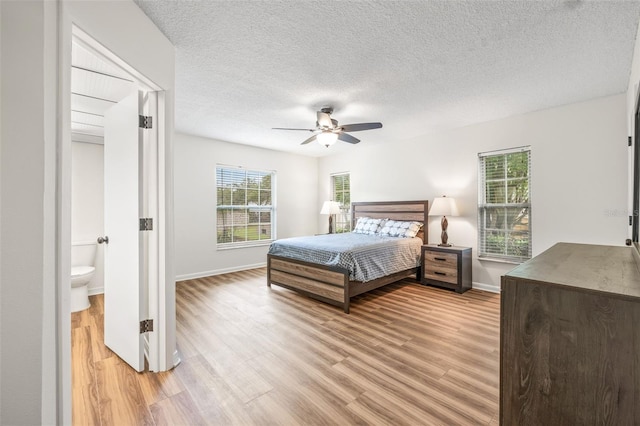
(330, 208)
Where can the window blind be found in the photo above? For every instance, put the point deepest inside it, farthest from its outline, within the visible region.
(504, 204)
(244, 206)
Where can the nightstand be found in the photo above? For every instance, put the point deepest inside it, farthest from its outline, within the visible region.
(447, 267)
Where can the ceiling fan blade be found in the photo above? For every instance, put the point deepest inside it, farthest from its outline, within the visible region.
(324, 120)
(360, 126)
(311, 139)
(287, 128)
(347, 138)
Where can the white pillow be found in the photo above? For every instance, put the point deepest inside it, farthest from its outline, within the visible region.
(367, 225)
(395, 228)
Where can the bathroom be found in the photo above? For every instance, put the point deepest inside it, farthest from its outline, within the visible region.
(87, 215)
(97, 84)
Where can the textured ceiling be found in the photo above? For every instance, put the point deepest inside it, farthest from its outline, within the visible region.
(244, 67)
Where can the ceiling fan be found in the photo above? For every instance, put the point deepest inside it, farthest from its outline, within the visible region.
(327, 130)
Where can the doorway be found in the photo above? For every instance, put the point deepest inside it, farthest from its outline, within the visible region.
(107, 103)
(135, 44)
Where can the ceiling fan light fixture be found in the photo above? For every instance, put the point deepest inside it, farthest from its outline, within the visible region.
(328, 132)
(327, 138)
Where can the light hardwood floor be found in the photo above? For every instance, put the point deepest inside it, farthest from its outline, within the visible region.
(407, 354)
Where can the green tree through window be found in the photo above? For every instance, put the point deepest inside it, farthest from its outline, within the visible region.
(341, 192)
(504, 205)
(244, 206)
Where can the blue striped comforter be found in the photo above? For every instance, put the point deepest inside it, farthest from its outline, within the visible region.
(366, 257)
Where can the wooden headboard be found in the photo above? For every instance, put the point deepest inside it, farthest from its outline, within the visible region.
(396, 210)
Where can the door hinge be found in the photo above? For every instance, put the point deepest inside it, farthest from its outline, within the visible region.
(630, 143)
(630, 220)
(146, 326)
(146, 224)
(145, 122)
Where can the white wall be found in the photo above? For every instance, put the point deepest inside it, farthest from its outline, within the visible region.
(578, 183)
(27, 244)
(634, 83)
(87, 202)
(195, 202)
(1, 262)
(632, 97)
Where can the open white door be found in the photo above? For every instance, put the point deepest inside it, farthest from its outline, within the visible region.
(123, 287)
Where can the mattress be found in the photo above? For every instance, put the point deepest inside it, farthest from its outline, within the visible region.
(365, 257)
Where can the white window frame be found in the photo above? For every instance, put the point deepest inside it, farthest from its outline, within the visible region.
(260, 208)
(343, 219)
(484, 251)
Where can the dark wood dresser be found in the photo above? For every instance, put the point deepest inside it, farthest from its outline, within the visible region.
(570, 338)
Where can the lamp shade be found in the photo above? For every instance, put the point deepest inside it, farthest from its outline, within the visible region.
(443, 206)
(330, 207)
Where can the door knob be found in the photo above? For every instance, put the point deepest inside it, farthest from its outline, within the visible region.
(103, 240)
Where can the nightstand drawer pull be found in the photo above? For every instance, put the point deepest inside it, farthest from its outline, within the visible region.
(439, 273)
(441, 259)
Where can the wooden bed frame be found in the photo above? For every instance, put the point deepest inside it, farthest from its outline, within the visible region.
(331, 284)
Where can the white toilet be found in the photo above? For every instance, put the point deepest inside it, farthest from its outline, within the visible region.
(83, 256)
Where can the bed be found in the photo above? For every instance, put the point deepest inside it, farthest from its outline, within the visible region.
(334, 284)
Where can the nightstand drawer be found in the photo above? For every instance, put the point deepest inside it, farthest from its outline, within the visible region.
(447, 275)
(445, 260)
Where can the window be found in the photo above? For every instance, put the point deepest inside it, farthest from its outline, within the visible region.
(504, 205)
(245, 207)
(341, 192)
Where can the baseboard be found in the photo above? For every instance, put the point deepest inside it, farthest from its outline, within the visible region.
(196, 275)
(486, 287)
(176, 358)
(96, 290)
